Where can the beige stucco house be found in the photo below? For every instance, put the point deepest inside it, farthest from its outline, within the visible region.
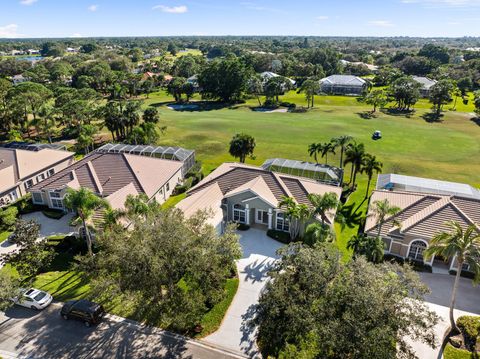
(250, 195)
(23, 168)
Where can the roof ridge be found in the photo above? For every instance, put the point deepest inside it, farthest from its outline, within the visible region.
(283, 186)
(133, 172)
(464, 214)
(95, 177)
(424, 213)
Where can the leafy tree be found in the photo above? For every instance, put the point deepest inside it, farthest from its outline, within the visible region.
(416, 65)
(477, 102)
(465, 84)
(224, 79)
(313, 299)
(89, 48)
(255, 87)
(382, 210)
(85, 203)
(322, 204)
(144, 134)
(310, 87)
(370, 247)
(369, 166)
(9, 288)
(136, 54)
(151, 115)
(342, 142)
(86, 138)
(316, 232)
(178, 87)
(241, 146)
(297, 214)
(441, 94)
(53, 49)
(31, 95)
(32, 254)
(8, 217)
(354, 154)
(406, 92)
(170, 266)
(47, 122)
(187, 66)
(437, 53)
(460, 243)
(276, 86)
(376, 98)
(172, 48)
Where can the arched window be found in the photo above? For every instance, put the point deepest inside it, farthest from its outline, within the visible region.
(416, 250)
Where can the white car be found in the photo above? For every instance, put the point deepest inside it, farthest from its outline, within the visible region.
(34, 299)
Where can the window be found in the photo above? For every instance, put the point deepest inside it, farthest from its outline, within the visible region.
(416, 250)
(37, 197)
(239, 213)
(50, 172)
(28, 184)
(282, 222)
(55, 194)
(168, 186)
(40, 177)
(57, 203)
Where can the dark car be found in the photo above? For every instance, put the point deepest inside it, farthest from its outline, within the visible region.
(87, 312)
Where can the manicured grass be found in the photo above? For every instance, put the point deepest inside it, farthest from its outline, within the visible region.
(451, 352)
(211, 321)
(4, 235)
(173, 200)
(63, 285)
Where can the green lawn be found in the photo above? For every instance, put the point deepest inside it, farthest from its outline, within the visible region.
(453, 353)
(4, 235)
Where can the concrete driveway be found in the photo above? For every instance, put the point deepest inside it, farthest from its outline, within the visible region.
(258, 256)
(467, 303)
(49, 226)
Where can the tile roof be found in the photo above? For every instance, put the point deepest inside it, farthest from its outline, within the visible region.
(423, 214)
(107, 173)
(343, 80)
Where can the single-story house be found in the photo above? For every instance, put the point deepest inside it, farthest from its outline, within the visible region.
(113, 176)
(250, 195)
(422, 215)
(426, 85)
(371, 67)
(24, 165)
(343, 85)
(193, 80)
(267, 75)
(18, 79)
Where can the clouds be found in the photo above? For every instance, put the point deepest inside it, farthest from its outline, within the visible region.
(444, 3)
(92, 8)
(181, 9)
(381, 23)
(28, 2)
(9, 31)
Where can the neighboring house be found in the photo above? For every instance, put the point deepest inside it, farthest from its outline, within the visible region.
(23, 166)
(343, 85)
(267, 75)
(193, 80)
(371, 67)
(113, 176)
(18, 79)
(404, 183)
(250, 195)
(426, 85)
(422, 215)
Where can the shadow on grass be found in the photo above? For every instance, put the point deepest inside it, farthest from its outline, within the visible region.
(432, 117)
(398, 112)
(196, 106)
(350, 216)
(367, 115)
(476, 120)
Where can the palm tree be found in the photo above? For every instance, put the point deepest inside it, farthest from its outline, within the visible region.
(315, 232)
(354, 154)
(382, 210)
(342, 142)
(369, 166)
(371, 247)
(327, 148)
(462, 244)
(355, 244)
(111, 217)
(85, 203)
(313, 150)
(323, 204)
(298, 215)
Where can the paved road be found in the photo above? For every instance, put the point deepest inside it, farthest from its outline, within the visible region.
(34, 335)
(258, 256)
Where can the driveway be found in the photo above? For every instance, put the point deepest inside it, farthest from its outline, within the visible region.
(258, 256)
(25, 333)
(467, 303)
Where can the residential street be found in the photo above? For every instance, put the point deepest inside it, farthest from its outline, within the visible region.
(38, 335)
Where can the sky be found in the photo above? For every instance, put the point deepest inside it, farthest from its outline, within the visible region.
(90, 18)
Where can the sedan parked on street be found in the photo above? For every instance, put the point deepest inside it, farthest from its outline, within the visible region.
(87, 312)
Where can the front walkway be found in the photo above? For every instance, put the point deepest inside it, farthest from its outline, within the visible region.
(258, 256)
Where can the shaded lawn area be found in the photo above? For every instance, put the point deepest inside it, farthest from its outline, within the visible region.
(173, 200)
(4, 235)
(451, 352)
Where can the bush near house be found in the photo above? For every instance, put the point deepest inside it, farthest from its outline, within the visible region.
(464, 273)
(280, 236)
(53, 213)
(416, 265)
(470, 328)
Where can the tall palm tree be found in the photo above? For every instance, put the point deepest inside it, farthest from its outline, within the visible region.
(371, 247)
(342, 142)
(327, 148)
(322, 204)
(85, 203)
(354, 155)
(314, 150)
(298, 215)
(382, 210)
(462, 244)
(355, 244)
(369, 166)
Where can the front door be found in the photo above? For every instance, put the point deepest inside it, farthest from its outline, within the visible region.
(261, 217)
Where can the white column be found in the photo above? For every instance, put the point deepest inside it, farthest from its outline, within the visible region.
(270, 216)
(247, 214)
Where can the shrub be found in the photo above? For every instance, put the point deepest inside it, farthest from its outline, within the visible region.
(53, 213)
(290, 105)
(280, 236)
(8, 217)
(243, 227)
(25, 205)
(464, 273)
(470, 328)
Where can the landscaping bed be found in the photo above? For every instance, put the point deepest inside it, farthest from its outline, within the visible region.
(53, 213)
(467, 343)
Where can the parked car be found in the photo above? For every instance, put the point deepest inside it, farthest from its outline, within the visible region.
(88, 312)
(377, 135)
(33, 298)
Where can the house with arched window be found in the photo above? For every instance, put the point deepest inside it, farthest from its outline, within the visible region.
(422, 215)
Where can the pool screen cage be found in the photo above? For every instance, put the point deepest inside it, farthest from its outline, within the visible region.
(163, 152)
(319, 172)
